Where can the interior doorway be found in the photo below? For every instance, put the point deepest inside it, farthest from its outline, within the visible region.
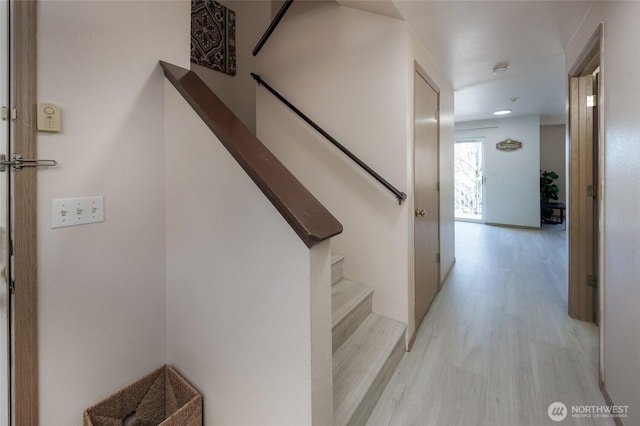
(586, 189)
(469, 179)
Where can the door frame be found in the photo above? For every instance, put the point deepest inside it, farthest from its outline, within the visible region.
(587, 62)
(25, 306)
(418, 69)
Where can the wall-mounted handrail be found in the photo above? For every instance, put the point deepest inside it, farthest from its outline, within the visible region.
(401, 196)
(272, 26)
(305, 214)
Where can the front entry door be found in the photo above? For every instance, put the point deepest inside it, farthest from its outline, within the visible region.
(426, 218)
(5, 311)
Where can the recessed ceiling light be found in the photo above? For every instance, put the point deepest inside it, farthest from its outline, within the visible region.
(500, 69)
(502, 112)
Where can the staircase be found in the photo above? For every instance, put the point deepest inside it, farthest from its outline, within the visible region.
(367, 347)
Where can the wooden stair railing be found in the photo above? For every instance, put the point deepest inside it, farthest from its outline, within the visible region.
(305, 214)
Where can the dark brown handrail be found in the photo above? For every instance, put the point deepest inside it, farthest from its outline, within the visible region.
(309, 219)
(401, 196)
(272, 26)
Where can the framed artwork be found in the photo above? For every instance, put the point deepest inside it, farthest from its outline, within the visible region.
(213, 36)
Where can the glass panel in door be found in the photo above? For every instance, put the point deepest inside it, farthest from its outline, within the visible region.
(468, 179)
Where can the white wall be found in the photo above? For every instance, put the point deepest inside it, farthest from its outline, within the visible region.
(352, 81)
(553, 146)
(239, 300)
(620, 229)
(239, 91)
(356, 81)
(512, 189)
(102, 287)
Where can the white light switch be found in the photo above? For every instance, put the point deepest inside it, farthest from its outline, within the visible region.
(76, 211)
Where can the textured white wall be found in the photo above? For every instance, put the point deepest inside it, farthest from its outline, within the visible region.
(346, 69)
(512, 189)
(102, 286)
(620, 229)
(239, 302)
(553, 147)
(239, 91)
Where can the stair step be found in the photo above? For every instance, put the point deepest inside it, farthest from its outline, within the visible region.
(337, 261)
(362, 366)
(350, 305)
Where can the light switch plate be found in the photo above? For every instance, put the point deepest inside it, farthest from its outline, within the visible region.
(76, 211)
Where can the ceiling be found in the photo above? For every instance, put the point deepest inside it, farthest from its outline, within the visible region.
(468, 38)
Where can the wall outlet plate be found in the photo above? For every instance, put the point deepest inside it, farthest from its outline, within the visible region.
(76, 211)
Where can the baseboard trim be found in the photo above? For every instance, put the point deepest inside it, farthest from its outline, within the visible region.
(609, 401)
(446, 274)
(412, 340)
(505, 225)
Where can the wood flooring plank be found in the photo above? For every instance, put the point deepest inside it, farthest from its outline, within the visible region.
(497, 346)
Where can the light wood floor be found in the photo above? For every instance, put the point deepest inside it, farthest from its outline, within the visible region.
(497, 347)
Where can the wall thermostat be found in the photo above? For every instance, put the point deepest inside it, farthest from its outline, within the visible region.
(49, 117)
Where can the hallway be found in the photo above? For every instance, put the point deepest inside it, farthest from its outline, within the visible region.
(497, 346)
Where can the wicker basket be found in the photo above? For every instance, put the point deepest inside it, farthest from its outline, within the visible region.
(160, 398)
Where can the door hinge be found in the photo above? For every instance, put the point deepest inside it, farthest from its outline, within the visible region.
(592, 191)
(437, 115)
(10, 247)
(12, 287)
(592, 101)
(4, 114)
(592, 281)
(437, 257)
(438, 186)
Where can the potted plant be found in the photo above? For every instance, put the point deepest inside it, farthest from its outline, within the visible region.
(548, 191)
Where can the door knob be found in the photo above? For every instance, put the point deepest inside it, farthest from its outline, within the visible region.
(420, 212)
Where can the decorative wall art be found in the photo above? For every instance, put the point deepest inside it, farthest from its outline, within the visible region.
(213, 36)
(508, 145)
